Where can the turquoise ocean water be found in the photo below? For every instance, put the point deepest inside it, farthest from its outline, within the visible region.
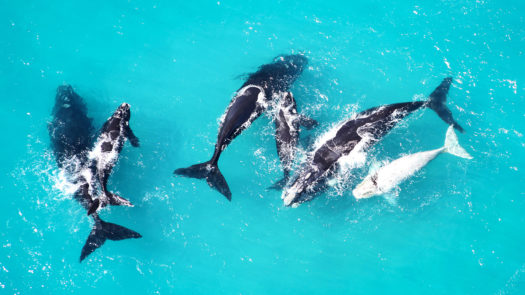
(458, 225)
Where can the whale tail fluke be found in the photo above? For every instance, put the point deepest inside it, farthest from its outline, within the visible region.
(101, 232)
(211, 173)
(437, 100)
(279, 185)
(452, 145)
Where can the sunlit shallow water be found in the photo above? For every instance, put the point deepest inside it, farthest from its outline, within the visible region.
(457, 226)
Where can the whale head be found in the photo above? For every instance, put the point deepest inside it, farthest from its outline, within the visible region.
(64, 93)
(66, 98)
(367, 188)
(288, 100)
(123, 112)
(279, 75)
(302, 188)
(295, 63)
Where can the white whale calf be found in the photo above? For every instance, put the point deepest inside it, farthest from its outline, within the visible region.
(394, 173)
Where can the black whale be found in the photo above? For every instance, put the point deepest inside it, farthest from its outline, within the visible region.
(72, 133)
(248, 104)
(287, 126)
(365, 128)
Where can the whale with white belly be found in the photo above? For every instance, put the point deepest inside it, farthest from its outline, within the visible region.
(105, 154)
(394, 173)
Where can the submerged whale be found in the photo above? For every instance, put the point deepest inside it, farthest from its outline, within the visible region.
(250, 101)
(287, 127)
(358, 133)
(394, 173)
(71, 133)
(71, 130)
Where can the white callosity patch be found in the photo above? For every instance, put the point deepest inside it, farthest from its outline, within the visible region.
(392, 174)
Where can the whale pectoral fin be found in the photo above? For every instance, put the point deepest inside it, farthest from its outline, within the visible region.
(391, 198)
(279, 185)
(134, 141)
(375, 165)
(375, 130)
(132, 138)
(116, 200)
(365, 130)
(307, 122)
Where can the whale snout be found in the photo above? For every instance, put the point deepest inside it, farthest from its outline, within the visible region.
(123, 111)
(124, 107)
(298, 61)
(292, 196)
(65, 89)
(64, 93)
(289, 198)
(365, 189)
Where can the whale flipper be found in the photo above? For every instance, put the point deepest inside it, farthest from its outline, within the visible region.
(101, 232)
(113, 199)
(279, 185)
(391, 198)
(211, 173)
(307, 122)
(437, 101)
(134, 140)
(117, 200)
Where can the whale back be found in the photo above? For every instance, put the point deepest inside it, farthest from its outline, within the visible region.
(279, 75)
(71, 130)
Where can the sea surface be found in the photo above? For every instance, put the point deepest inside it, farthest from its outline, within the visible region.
(456, 227)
